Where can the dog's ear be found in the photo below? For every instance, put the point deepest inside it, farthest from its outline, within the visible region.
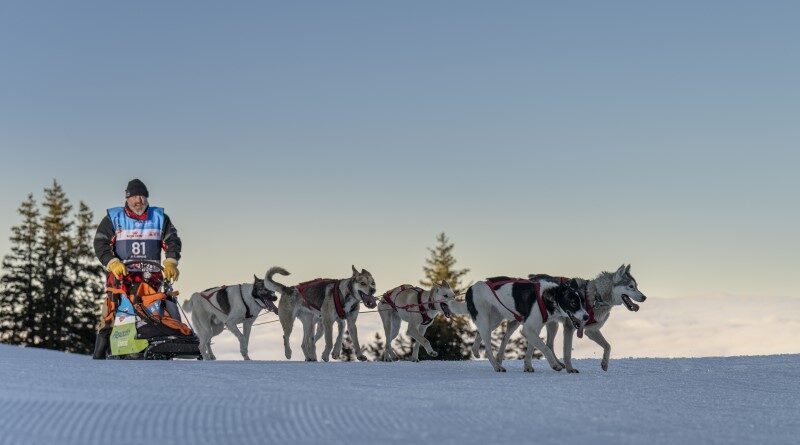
(355, 272)
(255, 277)
(628, 270)
(620, 272)
(573, 283)
(364, 272)
(445, 284)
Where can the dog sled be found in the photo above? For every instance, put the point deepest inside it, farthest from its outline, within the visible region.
(146, 321)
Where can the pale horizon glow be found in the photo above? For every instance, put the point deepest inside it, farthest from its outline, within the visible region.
(541, 138)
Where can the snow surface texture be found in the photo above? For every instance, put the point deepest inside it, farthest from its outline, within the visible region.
(664, 327)
(48, 397)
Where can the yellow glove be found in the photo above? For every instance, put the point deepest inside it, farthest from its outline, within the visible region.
(116, 267)
(171, 269)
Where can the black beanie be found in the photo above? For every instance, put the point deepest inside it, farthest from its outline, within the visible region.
(136, 188)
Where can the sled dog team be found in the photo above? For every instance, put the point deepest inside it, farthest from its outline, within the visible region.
(579, 305)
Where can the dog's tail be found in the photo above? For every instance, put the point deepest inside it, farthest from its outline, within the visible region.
(187, 304)
(273, 285)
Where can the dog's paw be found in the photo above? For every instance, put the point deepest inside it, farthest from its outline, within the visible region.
(433, 354)
(325, 358)
(528, 368)
(335, 356)
(557, 367)
(415, 360)
(362, 357)
(310, 359)
(500, 369)
(572, 371)
(246, 357)
(604, 365)
(561, 363)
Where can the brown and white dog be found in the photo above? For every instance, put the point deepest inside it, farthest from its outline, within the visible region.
(331, 300)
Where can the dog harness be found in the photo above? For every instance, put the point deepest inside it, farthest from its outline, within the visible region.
(589, 305)
(337, 293)
(426, 320)
(137, 239)
(268, 305)
(494, 285)
(420, 306)
(302, 287)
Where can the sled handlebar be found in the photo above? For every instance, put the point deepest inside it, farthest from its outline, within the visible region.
(146, 265)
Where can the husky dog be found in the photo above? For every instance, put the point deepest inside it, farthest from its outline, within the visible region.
(226, 306)
(606, 291)
(602, 294)
(417, 307)
(530, 302)
(328, 299)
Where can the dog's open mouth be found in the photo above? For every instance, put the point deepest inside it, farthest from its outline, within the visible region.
(577, 325)
(369, 300)
(446, 310)
(633, 307)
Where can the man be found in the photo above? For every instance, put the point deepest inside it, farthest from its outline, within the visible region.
(133, 232)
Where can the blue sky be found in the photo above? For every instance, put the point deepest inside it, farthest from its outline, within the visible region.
(541, 137)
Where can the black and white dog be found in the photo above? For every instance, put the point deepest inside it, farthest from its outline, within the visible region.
(532, 303)
(601, 294)
(226, 306)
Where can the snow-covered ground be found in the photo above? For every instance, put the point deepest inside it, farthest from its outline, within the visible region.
(48, 397)
(664, 327)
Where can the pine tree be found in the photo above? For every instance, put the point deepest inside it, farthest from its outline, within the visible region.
(347, 354)
(450, 338)
(55, 251)
(86, 277)
(440, 266)
(51, 282)
(374, 350)
(20, 286)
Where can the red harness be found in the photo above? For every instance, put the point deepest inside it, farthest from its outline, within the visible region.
(423, 311)
(494, 285)
(337, 294)
(589, 306)
(337, 300)
(302, 287)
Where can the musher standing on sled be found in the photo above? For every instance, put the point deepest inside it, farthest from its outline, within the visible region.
(133, 232)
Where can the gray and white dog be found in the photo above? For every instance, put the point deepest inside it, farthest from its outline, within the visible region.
(514, 299)
(409, 303)
(226, 306)
(319, 301)
(604, 292)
